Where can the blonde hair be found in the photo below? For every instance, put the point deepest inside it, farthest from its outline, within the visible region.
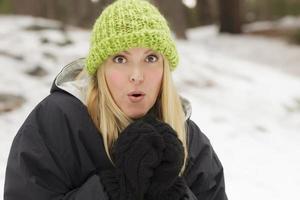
(110, 120)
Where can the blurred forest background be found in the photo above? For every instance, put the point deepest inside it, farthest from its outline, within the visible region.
(230, 15)
(239, 67)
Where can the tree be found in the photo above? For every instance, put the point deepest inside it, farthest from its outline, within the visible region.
(205, 12)
(174, 12)
(230, 16)
(75, 12)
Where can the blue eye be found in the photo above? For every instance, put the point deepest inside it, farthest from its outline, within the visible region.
(119, 58)
(153, 58)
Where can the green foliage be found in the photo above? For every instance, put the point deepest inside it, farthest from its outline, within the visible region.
(294, 8)
(5, 7)
(278, 7)
(271, 9)
(283, 7)
(295, 38)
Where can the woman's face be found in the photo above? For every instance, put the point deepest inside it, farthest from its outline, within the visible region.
(134, 79)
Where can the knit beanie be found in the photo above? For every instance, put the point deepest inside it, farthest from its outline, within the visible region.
(125, 24)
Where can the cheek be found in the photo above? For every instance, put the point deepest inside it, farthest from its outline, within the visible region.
(155, 78)
(115, 80)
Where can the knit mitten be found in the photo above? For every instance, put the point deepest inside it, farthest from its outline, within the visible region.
(136, 152)
(177, 191)
(114, 183)
(165, 183)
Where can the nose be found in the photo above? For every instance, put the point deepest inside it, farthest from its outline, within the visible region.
(137, 76)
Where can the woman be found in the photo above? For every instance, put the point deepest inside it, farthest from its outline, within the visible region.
(114, 126)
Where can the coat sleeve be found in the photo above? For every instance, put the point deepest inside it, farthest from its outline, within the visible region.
(36, 171)
(204, 176)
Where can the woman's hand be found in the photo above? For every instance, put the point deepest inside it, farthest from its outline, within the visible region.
(137, 151)
(165, 183)
(148, 157)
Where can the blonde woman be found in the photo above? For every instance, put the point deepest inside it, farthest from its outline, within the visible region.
(114, 127)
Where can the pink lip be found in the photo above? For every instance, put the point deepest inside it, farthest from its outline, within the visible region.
(135, 99)
(136, 92)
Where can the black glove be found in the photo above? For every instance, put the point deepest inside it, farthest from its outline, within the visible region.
(114, 183)
(165, 183)
(137, 151)
(177, 191)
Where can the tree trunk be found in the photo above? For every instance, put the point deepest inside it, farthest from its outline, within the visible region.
(83, 13)
(28, 7)
(230, 16)
(50, 8)
(174, 12)
(205, 12)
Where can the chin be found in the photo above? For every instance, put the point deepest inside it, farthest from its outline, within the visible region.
(136, 115)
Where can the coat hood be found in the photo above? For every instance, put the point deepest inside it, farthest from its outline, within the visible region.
(66, 81)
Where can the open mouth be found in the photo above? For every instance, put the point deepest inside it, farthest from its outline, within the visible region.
(137, 95)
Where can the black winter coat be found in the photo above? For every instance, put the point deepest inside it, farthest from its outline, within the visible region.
(58, 151)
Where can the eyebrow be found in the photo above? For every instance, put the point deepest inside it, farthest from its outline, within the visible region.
(126, 52)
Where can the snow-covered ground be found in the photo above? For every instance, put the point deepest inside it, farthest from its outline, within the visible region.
(244, 90)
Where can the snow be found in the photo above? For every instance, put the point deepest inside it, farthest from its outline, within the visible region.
(244, 90)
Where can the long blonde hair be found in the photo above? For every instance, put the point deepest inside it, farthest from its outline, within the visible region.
(110, 120)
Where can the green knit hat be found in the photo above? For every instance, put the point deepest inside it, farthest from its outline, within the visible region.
(125, 24)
